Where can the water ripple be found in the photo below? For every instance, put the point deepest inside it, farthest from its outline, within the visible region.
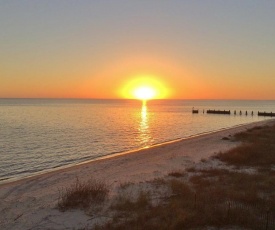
(39, 135)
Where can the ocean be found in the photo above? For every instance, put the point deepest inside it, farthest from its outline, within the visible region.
(39, 135)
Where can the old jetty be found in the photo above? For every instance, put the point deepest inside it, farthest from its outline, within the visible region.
(218, 111)
(265, 114)
(211, 111)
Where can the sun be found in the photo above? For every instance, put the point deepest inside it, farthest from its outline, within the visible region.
(144, 93)
(144, 87)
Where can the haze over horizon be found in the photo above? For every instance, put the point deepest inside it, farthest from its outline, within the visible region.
(94, 49)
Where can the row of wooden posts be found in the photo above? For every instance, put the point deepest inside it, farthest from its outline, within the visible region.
(228, 112)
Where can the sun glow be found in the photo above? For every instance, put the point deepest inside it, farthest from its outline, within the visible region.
(144, 93)
(144, 88)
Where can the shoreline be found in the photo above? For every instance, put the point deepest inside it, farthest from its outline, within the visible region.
(113, 155)
(30, 203)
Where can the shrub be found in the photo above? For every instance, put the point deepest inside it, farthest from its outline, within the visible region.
(82, 194)
(129, 204)
(258, 148)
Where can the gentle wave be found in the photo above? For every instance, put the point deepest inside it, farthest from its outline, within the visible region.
(38, 135)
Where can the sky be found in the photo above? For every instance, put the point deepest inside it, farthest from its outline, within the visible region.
(96, 49)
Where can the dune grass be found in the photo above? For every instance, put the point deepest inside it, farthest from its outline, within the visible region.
(257, 150)
(129, 204)
(188, 208)
(196, 198)
(82, 194)
(211, 197)
(216, 198)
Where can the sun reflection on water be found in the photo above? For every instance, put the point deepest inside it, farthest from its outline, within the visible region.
(144, 131)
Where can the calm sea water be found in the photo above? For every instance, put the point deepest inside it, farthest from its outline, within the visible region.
(38, 134)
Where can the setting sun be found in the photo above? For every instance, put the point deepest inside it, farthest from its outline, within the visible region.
(144, 87)
(144, 93)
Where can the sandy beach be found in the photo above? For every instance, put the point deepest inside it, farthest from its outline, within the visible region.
(31, 203)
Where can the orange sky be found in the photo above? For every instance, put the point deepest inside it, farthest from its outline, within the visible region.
(194, 50)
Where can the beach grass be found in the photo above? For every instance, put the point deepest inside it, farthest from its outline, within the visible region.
(257, 150)
(188, 208)
(129, 204)
(241, 195)
(212, 197)
(82, 194)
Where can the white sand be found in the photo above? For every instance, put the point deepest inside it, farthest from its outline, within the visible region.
(31, 203)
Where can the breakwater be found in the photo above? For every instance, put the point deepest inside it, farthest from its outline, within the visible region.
(228, 112)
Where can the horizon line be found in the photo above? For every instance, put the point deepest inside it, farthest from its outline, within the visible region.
(133, 99)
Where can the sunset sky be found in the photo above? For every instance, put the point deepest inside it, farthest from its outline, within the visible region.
(96, 49)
